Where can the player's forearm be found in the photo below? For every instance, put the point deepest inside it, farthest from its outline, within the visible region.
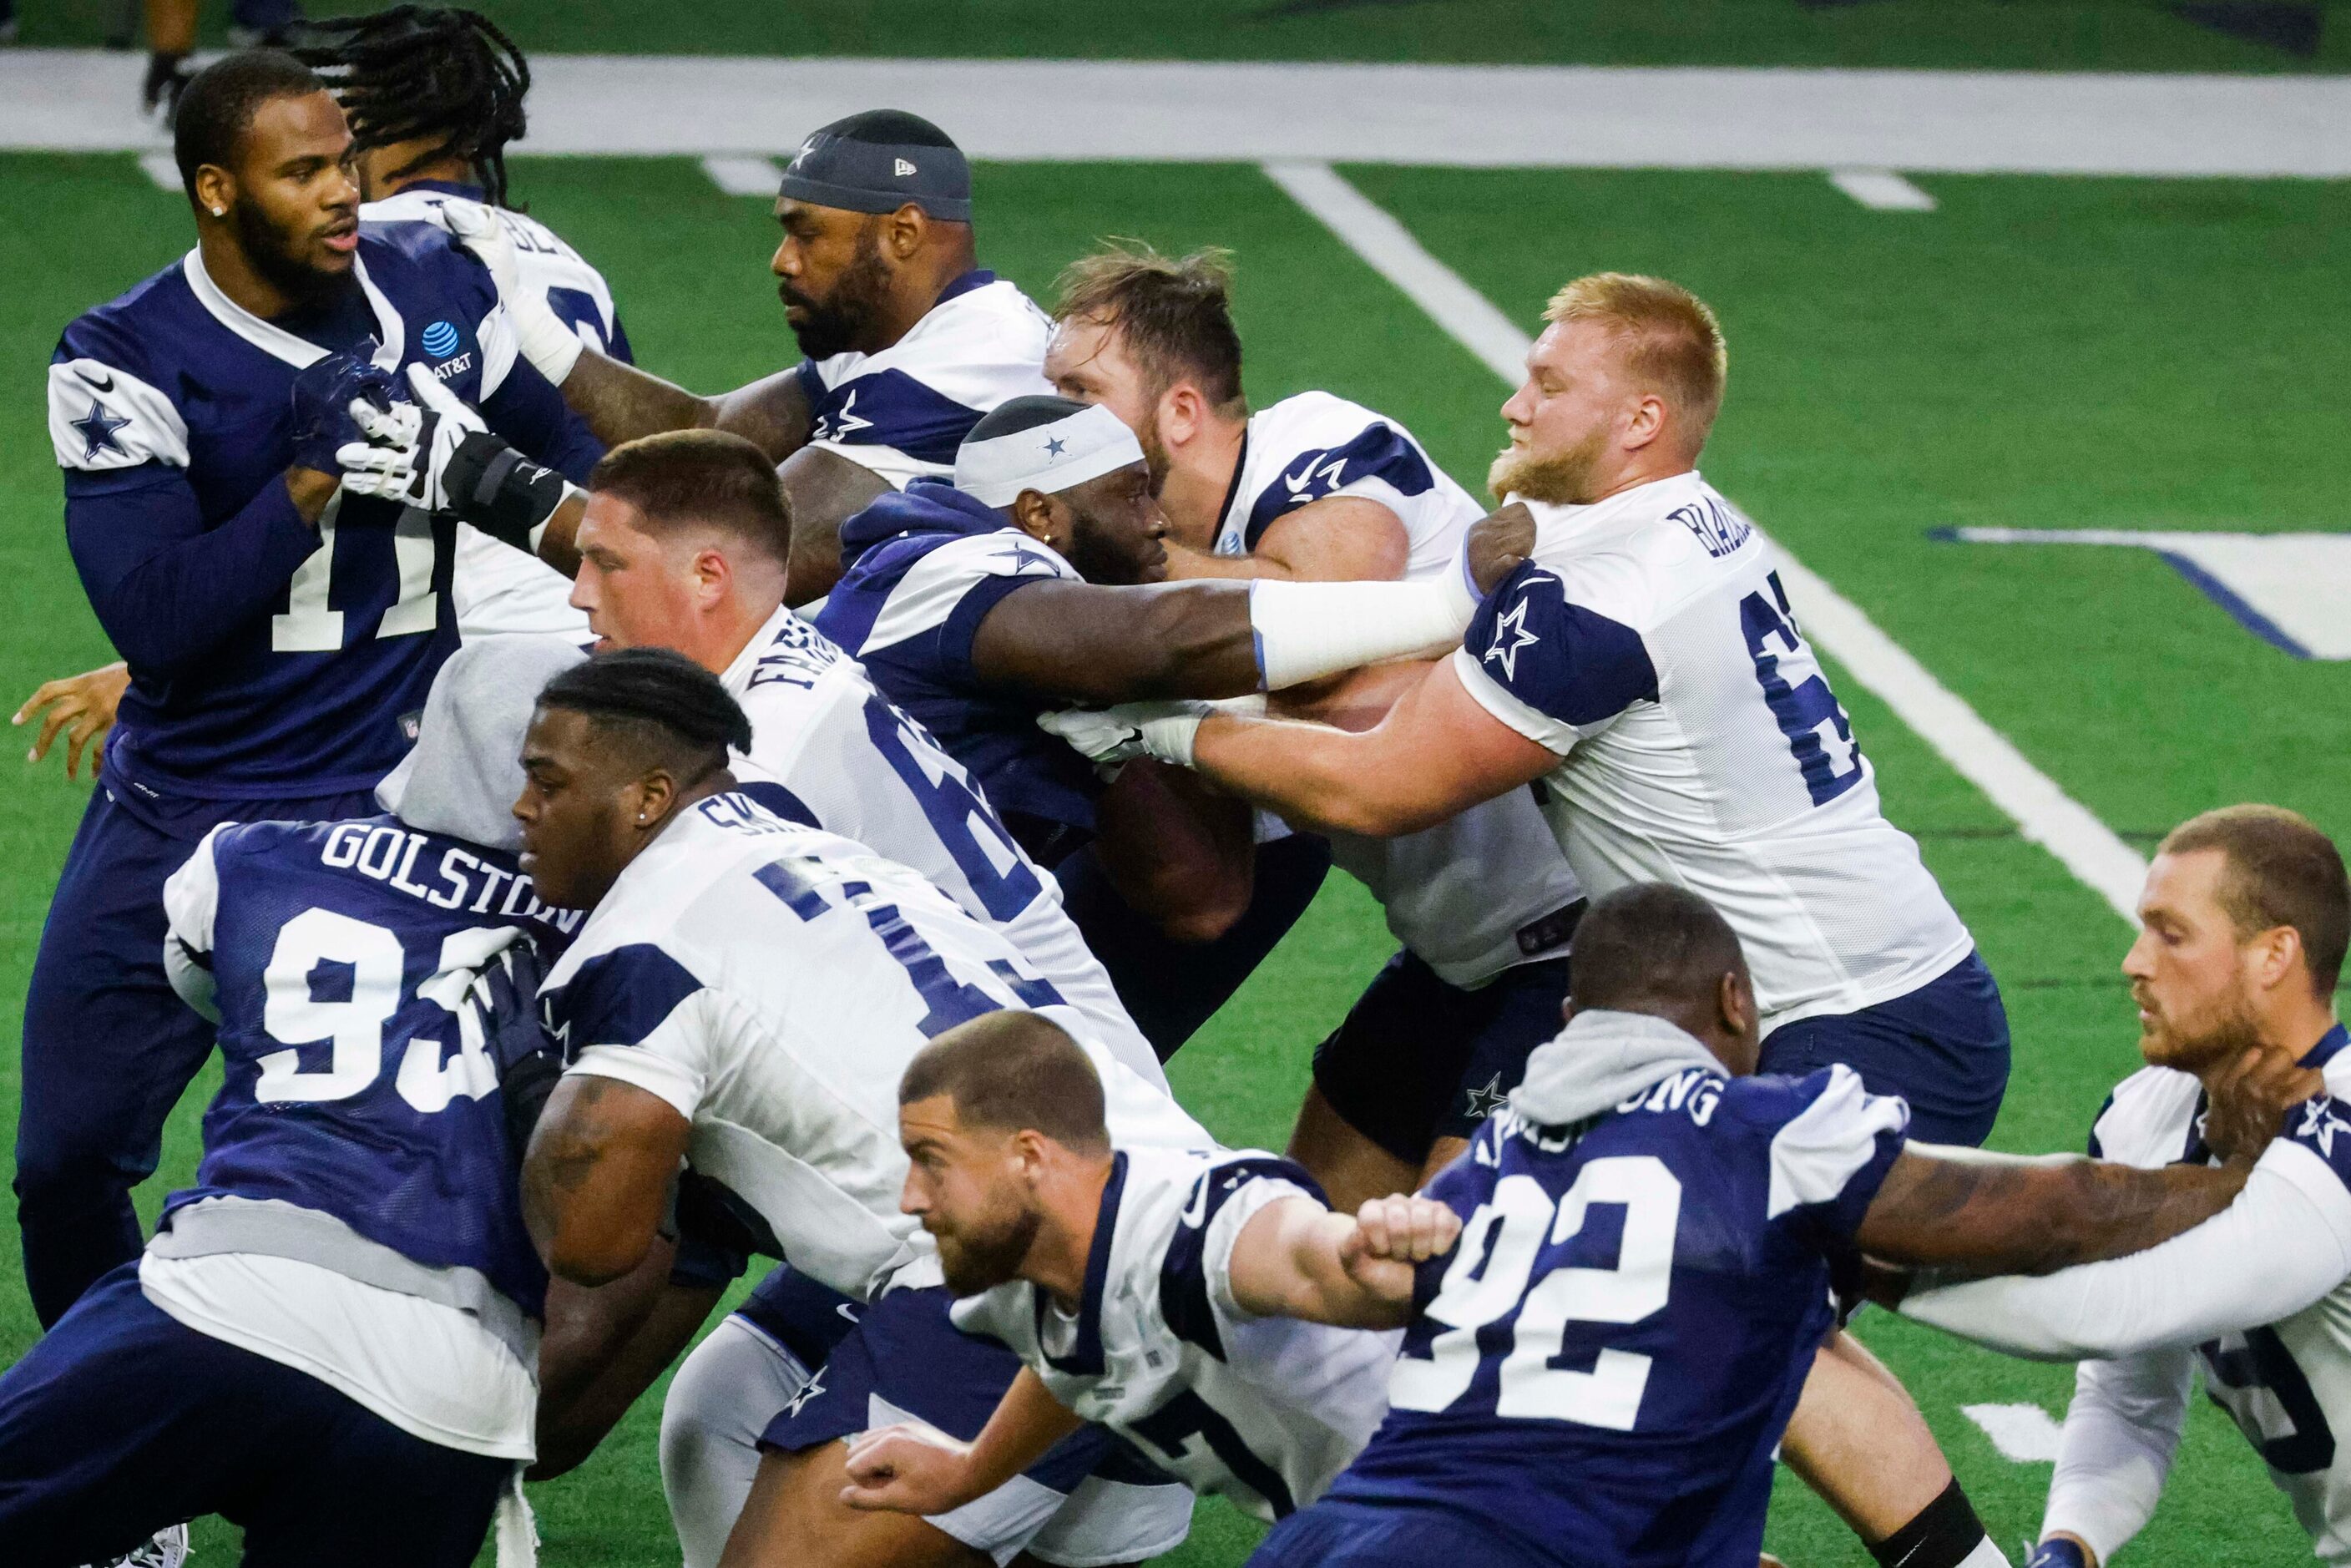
(1994, 1213)
(622, 403)
(2267, 1256)
(1290, 1261)
(1315, 777)
(1026, 1423)
(530, 416)
(179, 600)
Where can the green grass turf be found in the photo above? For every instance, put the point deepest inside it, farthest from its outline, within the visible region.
(2047, 35)
(2049, 353)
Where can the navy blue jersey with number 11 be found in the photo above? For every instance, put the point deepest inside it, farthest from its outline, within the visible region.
(1601, 1367)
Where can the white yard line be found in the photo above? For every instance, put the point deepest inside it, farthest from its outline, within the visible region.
(1976, 751)
(2025, 1434)
(744, 176)
(1501, 116)
(1882, 190)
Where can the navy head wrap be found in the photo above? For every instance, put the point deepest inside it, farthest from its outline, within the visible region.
(878, 162)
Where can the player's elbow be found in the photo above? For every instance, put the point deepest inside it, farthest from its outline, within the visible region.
(582, 1255)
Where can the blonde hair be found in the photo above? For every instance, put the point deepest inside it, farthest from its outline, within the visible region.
(1670, 337)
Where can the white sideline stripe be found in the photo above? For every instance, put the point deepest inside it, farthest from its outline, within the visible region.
(160, 167)
(1976, 752)
(2024, 1433)
(744, 176)
(1882, 189)
(1591, 116)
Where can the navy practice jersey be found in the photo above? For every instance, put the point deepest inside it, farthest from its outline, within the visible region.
(359, 1079)
(920, 572)
(1605, 1363)
(267, 658)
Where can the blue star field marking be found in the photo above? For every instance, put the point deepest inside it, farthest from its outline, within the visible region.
(1022, 558)
(1511, 624)
(1055, 446)
(97, 429)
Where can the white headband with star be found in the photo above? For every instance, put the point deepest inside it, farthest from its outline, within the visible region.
(1049, 458)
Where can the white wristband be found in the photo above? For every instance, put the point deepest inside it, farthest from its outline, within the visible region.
(552, 347)
(1169, 738)
(1308, 629)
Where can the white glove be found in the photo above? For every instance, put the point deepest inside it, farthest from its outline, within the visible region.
(552, 347)
(1160, 730)
(407, 453)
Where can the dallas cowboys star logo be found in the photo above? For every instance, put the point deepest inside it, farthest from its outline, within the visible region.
(97, 429)
(1484, 1103)
(2320, 1122)
(1511, 635)
(838, 423)
(808, 1390)
(1022, 558)
(1055, 446)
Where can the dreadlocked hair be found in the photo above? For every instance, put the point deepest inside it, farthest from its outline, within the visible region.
(662, 705)
(427, 71)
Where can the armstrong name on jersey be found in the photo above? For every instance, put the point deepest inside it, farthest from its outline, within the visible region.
(1650, 643)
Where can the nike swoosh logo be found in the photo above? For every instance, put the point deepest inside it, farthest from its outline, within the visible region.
(103, 383)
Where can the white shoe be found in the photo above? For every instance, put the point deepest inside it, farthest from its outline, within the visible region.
(168, 1549)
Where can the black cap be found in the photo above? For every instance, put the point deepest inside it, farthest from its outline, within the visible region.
(878, 162)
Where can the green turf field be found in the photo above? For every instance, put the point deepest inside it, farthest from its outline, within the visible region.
(2040, 352)
(1989, 34)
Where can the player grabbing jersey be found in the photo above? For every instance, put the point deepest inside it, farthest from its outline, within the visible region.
(1599, 1372)
(333, 1339)
(908, 340)
(2245, 913)
(743, 998)
(1318, 488)
(1204, 1305)
(433, 96)
(282, 620)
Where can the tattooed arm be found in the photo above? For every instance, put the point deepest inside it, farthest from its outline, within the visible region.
(621, 403)
(597, 1175)
(1975, 1212)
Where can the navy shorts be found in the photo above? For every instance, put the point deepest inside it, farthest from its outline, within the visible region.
(123, 1420)
(1336, 1534)
(806, 1316)
(1943, 1048)
(1416, 1059)
(906, 1358)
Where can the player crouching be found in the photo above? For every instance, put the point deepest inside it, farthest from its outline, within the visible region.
(333, 1339)
(1205, 1305)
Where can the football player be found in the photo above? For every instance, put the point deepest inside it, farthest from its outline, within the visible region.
(744, 997)
(281, 626)
(1600, 1371)
(1205, 1305)
(433, 96)
(333, 1339)
(907, 339)
(1645, 666)
(2244, 921)
(1318, 488)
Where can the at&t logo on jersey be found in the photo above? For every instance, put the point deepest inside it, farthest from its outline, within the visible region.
(441, 340)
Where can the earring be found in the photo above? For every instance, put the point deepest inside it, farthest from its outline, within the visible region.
(219, 212)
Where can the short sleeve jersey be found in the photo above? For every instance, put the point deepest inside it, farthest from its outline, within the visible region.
(903, 412)
(358, 1078)
(1265, 1410)
(920, 572)
(175, 390)
(1651, 643)
(1473, 896)
(835, 753)
(1604, 1365)
(2284, 1384)
(771, 982)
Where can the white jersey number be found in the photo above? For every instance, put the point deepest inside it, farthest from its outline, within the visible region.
(293, 1017)
(310, 624)
(1492, 1264)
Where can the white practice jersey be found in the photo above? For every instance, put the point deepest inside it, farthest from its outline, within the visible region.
(902, 412)
(1471, 895)
(771, 982)
(1650, 644)
(1265, 1410)
(2285, 1384)
(833, 753)
(497, 587)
